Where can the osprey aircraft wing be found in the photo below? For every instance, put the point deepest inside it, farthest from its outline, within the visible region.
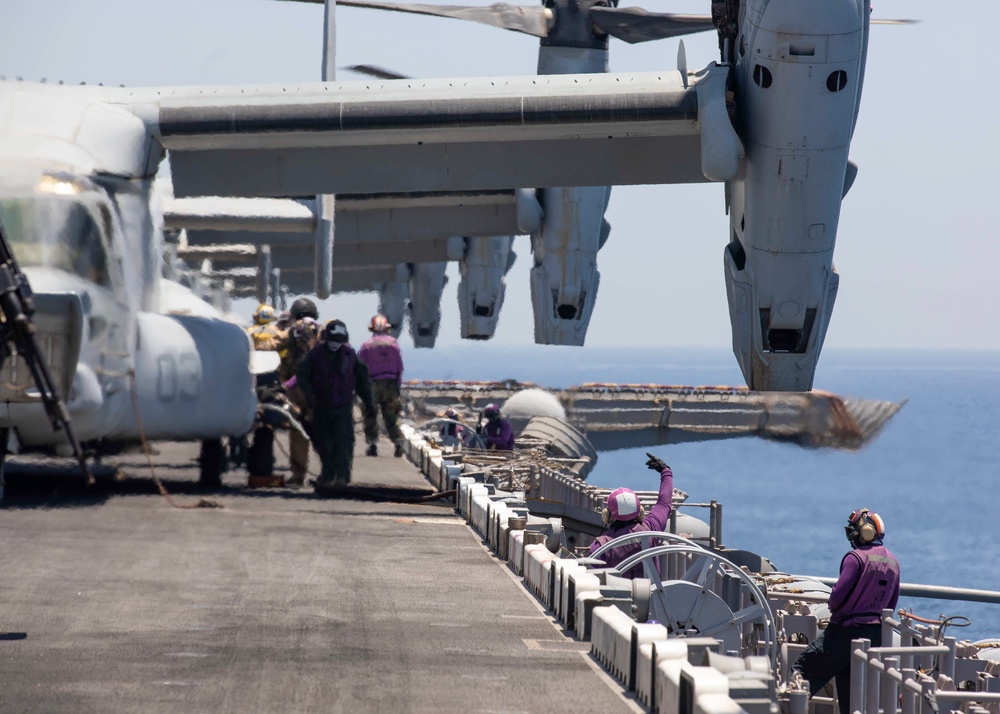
(398, 136)
(427, 171)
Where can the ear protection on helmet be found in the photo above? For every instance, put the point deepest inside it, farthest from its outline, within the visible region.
(607, 519)
(863, 527)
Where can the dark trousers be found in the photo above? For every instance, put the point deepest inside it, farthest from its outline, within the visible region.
(385, 393)
(333, 431)
(829, 657)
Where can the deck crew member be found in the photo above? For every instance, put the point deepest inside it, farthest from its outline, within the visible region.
(267, 336)
(302, 336)
(282, 324)
(453, 431)
(265, 332)
(384, 360)
(330, 376)
(498, 432)
(623, 514)
(868, 584)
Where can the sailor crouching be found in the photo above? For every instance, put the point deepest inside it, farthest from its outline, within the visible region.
(497, 431)
(330, 377)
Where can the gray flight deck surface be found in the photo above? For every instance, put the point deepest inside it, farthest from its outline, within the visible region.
(115, 601)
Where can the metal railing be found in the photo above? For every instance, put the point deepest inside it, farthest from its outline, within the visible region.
(936, 592)
(894, 679)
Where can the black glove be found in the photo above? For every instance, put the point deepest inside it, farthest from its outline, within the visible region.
(655, 464)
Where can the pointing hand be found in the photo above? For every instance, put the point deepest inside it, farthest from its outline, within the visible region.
(655, 463)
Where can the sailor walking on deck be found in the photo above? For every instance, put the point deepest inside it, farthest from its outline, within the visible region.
(623, 514)
(868, 584)
(330, 376)
(382, 356)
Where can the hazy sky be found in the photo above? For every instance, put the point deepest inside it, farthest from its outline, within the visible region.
(916, 246)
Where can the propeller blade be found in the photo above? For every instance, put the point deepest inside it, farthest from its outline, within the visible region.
(682, 62)
(375, 71)
(633, 24)
(529, 20)
(894, 22)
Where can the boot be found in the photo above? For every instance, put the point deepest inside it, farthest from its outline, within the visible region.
(372, 450)
(399, 449)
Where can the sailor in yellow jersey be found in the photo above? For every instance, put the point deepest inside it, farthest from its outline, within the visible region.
(267, 337)
(265, 334)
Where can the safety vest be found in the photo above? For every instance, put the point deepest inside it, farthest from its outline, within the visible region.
(875, 587)
(264, 337)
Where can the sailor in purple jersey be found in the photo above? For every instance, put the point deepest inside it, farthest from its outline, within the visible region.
(382, 356)
(868, 584)
(331, 376)
(623, 514)
(498, 432)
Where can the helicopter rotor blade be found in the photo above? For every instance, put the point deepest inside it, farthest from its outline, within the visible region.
(528, 20)
(375, 71)
(633, 24)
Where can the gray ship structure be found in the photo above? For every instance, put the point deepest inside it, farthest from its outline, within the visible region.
(620, 416)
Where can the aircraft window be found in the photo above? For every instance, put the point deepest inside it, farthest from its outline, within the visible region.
(836, 81)
(58, 233)
(761, 76)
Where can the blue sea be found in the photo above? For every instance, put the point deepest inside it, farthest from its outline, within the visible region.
(933, 473)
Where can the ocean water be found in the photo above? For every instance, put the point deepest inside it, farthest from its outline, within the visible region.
(933, 473)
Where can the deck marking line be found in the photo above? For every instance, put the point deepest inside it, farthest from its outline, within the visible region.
(555, 645)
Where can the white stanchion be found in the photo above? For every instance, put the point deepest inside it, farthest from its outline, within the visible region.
(643, 633)
(498, 511)
(563, 602)
(645, 674)
(478, 510)
(673, 675)
(515, 551)
(432, 462)
(536, 558)
(611, 638)
(451, 472)
(471, 493)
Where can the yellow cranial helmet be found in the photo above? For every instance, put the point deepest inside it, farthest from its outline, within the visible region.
(264, 314)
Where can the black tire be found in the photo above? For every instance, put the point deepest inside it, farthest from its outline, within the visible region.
(212, 463)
